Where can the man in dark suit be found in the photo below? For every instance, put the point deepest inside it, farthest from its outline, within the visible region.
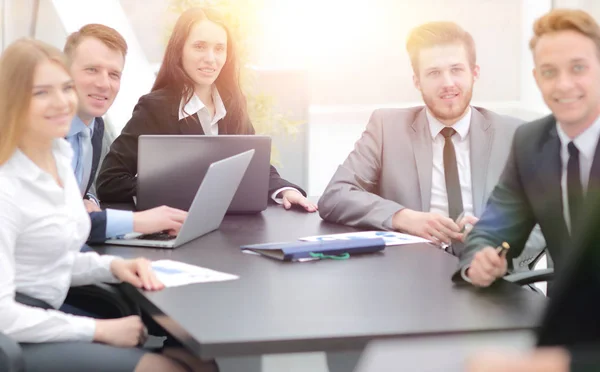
(97, 56)
(569, 336)
(554, 165)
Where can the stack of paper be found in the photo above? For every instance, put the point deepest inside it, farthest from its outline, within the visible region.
(173, 273)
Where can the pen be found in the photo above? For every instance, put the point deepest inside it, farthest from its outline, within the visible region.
(502, 248)
(460, 217)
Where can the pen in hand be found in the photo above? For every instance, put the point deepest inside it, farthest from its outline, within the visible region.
(460, 217)
(504, 247)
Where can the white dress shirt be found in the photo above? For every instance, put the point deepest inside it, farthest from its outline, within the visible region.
(586, 144)
(210, 124)
(461, 141)
(42, 228)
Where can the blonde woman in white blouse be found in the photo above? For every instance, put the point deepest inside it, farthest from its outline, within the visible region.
(43, 224)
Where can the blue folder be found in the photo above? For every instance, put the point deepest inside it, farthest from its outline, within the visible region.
(292, 251)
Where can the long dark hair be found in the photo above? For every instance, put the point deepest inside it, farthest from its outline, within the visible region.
(173, 78)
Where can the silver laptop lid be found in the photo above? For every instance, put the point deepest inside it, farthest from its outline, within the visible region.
(213, 197)
(171, 167)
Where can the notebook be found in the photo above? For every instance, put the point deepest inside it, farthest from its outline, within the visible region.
(298, 250)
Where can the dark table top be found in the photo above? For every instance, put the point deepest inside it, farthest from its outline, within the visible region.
(279, 307)
(440, 353)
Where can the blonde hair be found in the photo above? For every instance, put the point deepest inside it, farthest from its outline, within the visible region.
(17, 69)
(566, 20)
(433, 34)
(107, 35)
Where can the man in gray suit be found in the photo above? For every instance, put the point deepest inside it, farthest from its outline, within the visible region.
(416, 170)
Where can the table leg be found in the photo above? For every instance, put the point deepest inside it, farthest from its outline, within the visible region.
(343, 361)
(250, 363)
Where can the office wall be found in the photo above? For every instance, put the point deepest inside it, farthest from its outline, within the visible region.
(354, 50)
(352, 57)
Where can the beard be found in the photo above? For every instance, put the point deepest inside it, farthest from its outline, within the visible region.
(445, 112)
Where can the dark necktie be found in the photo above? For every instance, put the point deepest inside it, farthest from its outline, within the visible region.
(455, 204)
(574, 188)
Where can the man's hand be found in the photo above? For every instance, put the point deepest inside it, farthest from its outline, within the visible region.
(293, 197)
(138, 272)
(431, 226)
(90, 206)
(467, 223)
(486, 267)
(159, 219)
(540, 360)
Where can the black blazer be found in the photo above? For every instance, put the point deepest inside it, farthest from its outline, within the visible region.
(98, 231)
(155, 113)
(528, 192)
(571, 319)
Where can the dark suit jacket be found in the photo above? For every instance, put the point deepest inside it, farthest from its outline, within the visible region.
(98, 231)
(155, 113)
(528, 192)
(571, 318)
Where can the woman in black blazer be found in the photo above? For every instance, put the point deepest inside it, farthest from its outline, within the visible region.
(197, 90)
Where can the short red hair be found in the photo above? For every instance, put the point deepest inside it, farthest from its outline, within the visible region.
(566, 20)
(109, 36)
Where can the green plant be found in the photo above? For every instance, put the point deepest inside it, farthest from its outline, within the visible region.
(241, 18)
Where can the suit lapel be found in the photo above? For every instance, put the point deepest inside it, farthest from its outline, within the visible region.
(187, 125)
(190, 125)
(96, 140)
(481, 133)
(547, 167)
(594, 181)
(422, 150)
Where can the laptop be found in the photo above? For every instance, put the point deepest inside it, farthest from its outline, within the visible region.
(208, 207)
(171, 167)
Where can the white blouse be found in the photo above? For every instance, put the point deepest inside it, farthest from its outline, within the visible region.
(42, 228)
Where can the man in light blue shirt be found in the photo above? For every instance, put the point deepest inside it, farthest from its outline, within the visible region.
(97, 56)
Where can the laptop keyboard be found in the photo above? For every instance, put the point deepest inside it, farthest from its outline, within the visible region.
(156, 236)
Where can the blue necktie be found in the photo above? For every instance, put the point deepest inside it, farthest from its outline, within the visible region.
(84, 164)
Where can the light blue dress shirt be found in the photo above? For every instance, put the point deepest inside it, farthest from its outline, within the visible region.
(117, 222)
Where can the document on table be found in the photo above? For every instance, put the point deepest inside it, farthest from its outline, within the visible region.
(174, 273)
(390, 237)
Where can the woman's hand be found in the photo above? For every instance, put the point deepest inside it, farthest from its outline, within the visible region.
(138, 272)
(122, 332)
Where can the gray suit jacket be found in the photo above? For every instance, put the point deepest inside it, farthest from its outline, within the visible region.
(390, 167)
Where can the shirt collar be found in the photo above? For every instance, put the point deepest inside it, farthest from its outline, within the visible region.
(77, 125)
(195, 105)
(28, 170)
(585, 142)
(461, 127)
